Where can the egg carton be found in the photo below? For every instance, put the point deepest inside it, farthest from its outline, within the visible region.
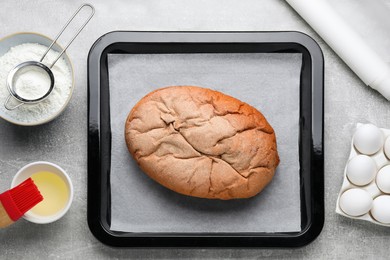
(365, 192)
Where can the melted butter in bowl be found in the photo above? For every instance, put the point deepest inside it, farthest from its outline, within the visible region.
(54, 191)
(55, 186)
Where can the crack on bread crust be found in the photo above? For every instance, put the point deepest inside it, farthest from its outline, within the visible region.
(210, 178)
(212, 155)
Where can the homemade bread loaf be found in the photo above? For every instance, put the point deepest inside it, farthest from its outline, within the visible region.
(202, 143)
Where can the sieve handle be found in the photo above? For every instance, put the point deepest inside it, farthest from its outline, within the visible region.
(74, 37)
(14, 107)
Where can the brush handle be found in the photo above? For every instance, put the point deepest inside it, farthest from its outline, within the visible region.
(354, 51)
(5, 220)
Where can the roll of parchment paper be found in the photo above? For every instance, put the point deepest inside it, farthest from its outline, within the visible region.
(350, 47)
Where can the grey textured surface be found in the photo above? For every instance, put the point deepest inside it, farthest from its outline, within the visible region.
(347, 101)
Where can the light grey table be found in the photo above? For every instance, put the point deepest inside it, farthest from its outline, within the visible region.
(64, 141)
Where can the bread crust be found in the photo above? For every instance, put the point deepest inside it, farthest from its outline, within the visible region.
(202, 143)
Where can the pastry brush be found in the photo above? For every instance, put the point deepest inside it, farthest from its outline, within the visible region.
(17, 201)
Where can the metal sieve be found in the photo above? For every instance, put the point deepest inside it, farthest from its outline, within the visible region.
(25, 66)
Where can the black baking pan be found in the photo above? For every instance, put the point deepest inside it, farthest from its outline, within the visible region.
(311, 150)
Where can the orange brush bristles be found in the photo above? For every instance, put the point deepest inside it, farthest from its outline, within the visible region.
(20, 199)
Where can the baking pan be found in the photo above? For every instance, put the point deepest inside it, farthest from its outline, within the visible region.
(311, 174)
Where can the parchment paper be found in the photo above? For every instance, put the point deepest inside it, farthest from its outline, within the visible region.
(269, 82)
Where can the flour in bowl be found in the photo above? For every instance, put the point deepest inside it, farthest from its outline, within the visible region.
(33, 83)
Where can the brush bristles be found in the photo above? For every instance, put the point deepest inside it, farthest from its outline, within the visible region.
(26, 195)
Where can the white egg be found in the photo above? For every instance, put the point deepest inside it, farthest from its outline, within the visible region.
(355, 202)
(368, 139)
(361, 170)
(381, 209)
(387, 147)
(383, 179)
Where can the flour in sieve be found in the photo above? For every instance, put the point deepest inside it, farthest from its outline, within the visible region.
(31, 82)
(32, 113)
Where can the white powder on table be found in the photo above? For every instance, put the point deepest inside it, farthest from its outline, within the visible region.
(32, 113)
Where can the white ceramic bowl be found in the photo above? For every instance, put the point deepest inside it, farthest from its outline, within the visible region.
(35, 167)
(29, 37)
